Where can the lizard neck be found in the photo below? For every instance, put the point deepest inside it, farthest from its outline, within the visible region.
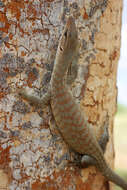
(59, 72)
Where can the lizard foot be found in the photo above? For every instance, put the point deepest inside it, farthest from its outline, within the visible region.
(87, 161)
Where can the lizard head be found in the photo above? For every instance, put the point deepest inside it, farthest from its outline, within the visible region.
(69, 39)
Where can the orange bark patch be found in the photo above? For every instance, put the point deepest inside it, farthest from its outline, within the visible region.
(31, 11)
(31, 78)
(64, 178)
(43, 31)
(23, 53)
(50, 1)
(2, 17)
(7, 44)
(10, 36)
(6, 69)
(113, 55)
(15, 8)
(4, 158)
(5, 22)
(37, 185)
(2, 94)
(11, 117)
(85, 15)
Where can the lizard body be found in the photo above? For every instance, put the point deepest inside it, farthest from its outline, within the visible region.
(71, 123)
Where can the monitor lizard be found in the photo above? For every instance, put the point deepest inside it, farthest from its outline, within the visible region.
(70, 120)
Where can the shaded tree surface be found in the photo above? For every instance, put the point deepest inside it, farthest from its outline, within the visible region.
(33, 154)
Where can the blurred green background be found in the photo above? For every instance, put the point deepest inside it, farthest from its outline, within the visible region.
(120, 125)
(120, 140)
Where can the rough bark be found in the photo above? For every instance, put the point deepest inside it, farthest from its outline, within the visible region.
(32, 152)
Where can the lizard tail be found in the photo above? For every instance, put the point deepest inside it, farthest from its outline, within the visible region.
(110, 174)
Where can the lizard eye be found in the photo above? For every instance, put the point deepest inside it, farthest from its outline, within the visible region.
(65, 34)
(61, 49)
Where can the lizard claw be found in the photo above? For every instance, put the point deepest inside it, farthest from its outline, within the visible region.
(21, 92)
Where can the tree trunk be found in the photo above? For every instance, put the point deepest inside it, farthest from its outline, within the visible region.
(33, 154)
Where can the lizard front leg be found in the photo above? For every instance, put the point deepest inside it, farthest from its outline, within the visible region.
(105, 136)
(36, 101)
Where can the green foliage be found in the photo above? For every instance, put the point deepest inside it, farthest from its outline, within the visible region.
(122, 173)
(120, 136)
(121, 109)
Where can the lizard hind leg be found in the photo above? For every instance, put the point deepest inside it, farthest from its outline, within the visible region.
(88, 160)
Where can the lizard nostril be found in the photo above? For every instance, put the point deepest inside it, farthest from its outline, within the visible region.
(61, 48)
